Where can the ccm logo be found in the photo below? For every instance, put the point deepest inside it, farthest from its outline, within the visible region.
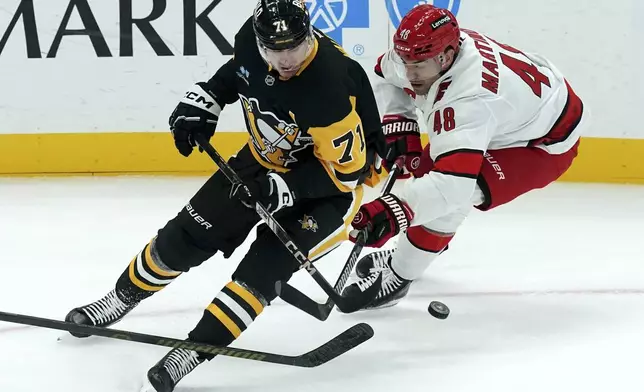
(191, 95)
(306, 263)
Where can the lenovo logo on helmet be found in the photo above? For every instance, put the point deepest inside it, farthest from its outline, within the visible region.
(397, 9)
(441, 21)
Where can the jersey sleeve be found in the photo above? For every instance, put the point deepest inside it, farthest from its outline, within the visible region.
(367, 108)
(223, 84)
(341, 154)
(461, 134)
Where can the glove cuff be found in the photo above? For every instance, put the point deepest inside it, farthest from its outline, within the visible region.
(395, 126)
(198, 97)
(280, 191)
(399, 210)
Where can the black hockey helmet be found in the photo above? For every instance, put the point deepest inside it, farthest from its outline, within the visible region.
(281, 24)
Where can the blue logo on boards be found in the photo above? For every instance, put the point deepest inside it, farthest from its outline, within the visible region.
(333, 16)
(399, 8)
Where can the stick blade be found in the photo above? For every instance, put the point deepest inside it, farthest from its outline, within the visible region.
(295, 297)
(347, 340)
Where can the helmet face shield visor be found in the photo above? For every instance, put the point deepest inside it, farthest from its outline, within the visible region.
(417, 72)
(287, 60)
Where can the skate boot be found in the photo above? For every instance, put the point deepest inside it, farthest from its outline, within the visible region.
(102, 313)
(165, 375)
(377, 260)
(392, 289)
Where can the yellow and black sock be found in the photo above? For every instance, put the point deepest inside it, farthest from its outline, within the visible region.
(229, 314)
(145, 275)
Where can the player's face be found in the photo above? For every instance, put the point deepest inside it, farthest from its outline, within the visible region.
(288, 62)
(421, 74)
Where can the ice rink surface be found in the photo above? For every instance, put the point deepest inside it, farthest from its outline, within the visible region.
(546, 294)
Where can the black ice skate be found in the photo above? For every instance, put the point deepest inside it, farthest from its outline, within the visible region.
(165, 375)
(102, 313)
(393, 288)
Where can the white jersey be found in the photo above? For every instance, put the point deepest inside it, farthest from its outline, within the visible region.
(493, 97)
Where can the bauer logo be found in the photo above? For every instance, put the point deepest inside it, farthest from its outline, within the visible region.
(399, 8)
(334, 16)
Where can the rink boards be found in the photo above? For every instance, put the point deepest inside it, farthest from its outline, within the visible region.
(88, 85)
(600, 159)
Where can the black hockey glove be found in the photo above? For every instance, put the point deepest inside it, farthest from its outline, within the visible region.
(196, 113)
(271, 190)
(376, 149)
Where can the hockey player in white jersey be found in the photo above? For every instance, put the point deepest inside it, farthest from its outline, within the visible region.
(501, 123)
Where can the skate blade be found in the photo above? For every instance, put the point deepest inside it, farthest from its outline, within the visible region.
(386, 305)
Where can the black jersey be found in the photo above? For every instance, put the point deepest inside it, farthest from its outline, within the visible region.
(315, 127)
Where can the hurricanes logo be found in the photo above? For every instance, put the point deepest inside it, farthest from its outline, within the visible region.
(309, 223)
(275, 139)
(358, 218)
(415, 163)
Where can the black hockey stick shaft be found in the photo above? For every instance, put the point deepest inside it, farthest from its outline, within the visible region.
(362, 236)
(347, 305)
(296, 298)
(333, 348)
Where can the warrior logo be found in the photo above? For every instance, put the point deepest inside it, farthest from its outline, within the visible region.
(275, 139)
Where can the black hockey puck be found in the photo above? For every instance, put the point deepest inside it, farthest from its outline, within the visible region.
(438, 310)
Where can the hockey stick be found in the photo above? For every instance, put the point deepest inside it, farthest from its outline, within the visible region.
(320, 311)
(347, 305)
(333, 348)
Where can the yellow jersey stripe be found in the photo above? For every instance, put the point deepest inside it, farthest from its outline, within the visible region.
(310, 58)
(341, 234)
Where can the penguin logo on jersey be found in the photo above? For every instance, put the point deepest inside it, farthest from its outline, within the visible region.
(275, 139)
(309, 223)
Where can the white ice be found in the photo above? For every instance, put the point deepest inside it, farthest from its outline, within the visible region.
(547, 294)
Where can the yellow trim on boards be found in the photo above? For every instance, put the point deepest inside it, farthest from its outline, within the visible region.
(106, 153)
(600, 159)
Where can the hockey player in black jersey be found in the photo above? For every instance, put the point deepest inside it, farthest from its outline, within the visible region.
(314, 132)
